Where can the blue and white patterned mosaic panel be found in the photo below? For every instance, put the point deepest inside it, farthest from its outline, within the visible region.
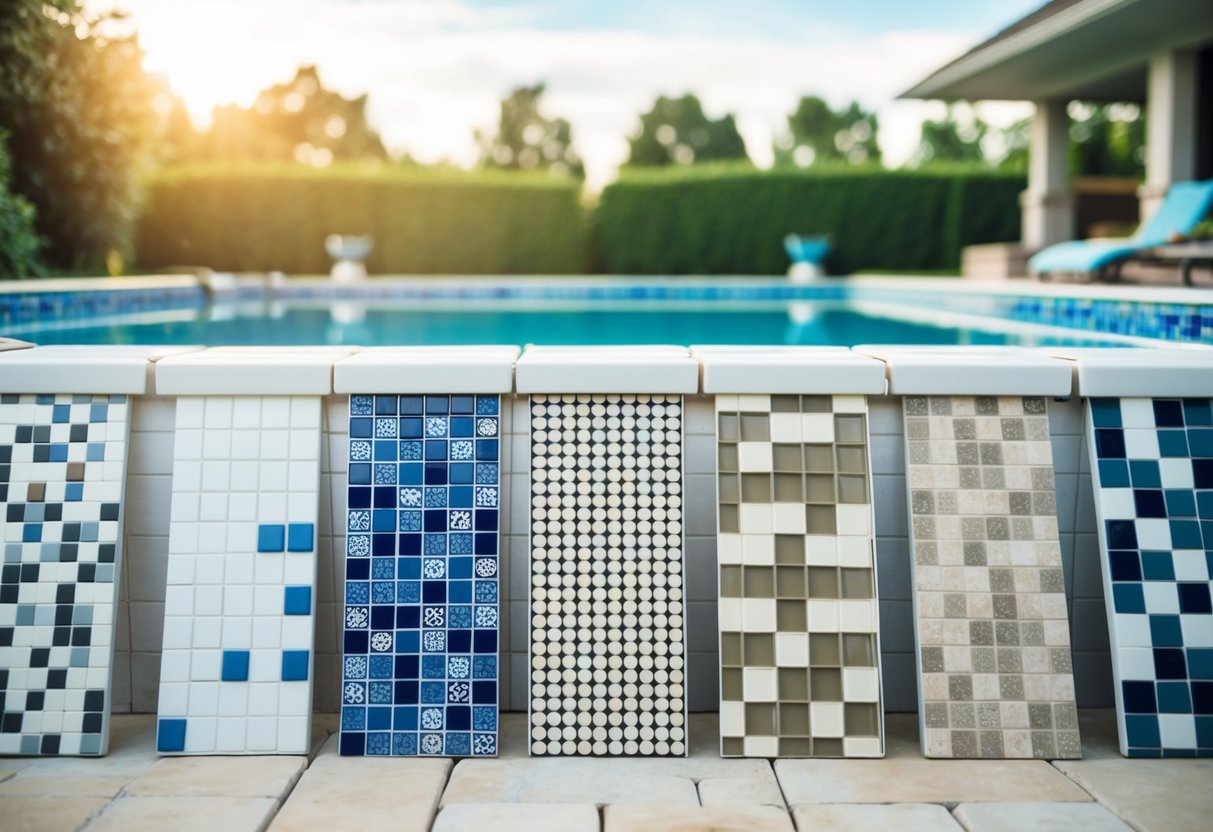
(62, 466)
(239, 611)
(419, 671)
(1153, 479)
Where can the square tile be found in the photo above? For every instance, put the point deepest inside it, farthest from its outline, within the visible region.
(421, 635)
(62, 471)
(801, 661)
(1153, 481)
(606, 479)
(236, 668)
(992, 629)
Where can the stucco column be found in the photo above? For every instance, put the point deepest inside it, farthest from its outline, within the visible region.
(1048, 204)
(1170, 126)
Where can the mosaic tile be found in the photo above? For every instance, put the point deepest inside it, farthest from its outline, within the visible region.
(1153, 477)
(607, 604)
(62, 468)
(995, 675)
(239, 611)
(800, 673)
(419, 670)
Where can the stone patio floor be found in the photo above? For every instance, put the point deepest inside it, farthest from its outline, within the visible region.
(134, 789)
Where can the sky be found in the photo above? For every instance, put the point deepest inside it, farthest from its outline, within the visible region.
(436, 70)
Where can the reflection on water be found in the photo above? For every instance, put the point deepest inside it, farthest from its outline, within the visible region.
(379, 323)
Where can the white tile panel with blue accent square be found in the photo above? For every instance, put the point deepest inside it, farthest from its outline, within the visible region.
(62, 468)
(239, 617)
(420, 643)
(1152, 474)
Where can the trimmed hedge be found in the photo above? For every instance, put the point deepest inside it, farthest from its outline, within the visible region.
(714, 220)
(246, 218)
(707, 219)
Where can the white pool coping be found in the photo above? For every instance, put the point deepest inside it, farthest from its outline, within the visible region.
(487, 369)
(708, 369)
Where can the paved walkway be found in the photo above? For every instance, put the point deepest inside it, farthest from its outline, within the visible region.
(133, 789)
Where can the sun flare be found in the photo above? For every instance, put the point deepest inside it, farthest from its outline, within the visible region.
(206, 60)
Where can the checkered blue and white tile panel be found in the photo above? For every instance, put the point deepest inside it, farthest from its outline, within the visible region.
(62, 468)
(1152, 470)
(239, 622)
(420, 648)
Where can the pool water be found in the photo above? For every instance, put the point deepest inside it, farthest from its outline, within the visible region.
(526, 322)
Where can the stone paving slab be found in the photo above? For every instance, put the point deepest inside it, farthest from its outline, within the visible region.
(695, 819)
(1039, 817)
(569, 780)
(48, 814)
(903, 817)
(268, 776)
(906, 780)
(364, 793)
(741, 791)
(518, 817)
(515, 777)
(50, 785)
(186, 814)
(1163, 795)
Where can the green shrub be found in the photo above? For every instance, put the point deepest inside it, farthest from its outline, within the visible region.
(18, 242)
(245, 218)
(722, 220)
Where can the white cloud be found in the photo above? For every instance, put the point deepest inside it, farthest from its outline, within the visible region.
(436, 70)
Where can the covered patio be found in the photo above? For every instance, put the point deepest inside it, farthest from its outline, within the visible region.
(1156, 53)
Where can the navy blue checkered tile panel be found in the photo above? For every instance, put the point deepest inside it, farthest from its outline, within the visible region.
(1153, 478)
(419, 670)
(62, 466)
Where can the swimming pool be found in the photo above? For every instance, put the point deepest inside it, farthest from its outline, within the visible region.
(263, 311)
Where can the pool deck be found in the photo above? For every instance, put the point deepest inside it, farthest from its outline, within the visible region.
(134, 789)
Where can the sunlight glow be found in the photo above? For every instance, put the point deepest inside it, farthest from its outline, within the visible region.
(435, 70)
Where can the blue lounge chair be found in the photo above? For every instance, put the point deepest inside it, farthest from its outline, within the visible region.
(1185, 205)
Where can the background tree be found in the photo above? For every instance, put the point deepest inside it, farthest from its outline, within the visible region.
(816, 134)
(18, 241)
(1106, 140)
(956, 138)
(77, 107)
(676, 131)
(528, 140)
(299, 120)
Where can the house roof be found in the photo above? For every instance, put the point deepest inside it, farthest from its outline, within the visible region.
(1095, 50)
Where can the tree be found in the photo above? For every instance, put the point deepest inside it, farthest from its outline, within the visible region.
(78, 110)
(956, 138)
(528, 140)
(676, 131)
(18, 241)
(1106, 140)
(299, 120)
(816, 134)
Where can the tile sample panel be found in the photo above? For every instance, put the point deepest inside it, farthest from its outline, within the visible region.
(239, 608)
(62, 469)
(798, 613)
(607, 604)
(419, 670)
(995, 676)
(1153, 477)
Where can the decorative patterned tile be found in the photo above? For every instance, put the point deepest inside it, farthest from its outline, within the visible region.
(419, 671)
(62, 468)
(239, 608)
(1153, 480)
(995, 677)
(607, 605)
(800, 672)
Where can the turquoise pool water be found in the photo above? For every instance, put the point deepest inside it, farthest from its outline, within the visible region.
(510, 321)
